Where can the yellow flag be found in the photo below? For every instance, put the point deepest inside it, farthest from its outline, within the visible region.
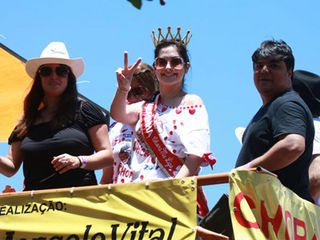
(14, 84)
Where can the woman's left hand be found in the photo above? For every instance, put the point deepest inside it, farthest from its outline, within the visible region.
(65, 162)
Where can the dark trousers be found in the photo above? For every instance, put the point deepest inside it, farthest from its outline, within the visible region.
(218, 219)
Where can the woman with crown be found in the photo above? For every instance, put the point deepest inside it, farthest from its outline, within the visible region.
(171, 130)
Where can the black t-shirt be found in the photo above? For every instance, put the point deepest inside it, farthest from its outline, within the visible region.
(287, 114)
(41, 144)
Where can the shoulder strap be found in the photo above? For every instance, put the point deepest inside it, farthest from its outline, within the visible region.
(169, 162)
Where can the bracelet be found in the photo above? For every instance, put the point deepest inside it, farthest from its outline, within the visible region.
(80, 162)
(83, 160)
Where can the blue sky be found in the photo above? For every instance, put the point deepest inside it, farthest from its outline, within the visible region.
(224, 35)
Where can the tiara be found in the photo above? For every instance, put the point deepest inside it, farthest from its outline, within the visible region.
(169, 36)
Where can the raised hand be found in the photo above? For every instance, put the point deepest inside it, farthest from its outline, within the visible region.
(124, 75)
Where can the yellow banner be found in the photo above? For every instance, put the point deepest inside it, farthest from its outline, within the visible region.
(156, 210)
(262, 208)
(14, 84)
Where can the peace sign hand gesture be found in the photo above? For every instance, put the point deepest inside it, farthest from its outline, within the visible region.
(124, 75)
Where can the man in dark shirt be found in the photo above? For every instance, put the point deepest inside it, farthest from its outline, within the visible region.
(279, 137)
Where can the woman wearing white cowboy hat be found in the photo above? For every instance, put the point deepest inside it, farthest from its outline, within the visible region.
(60, 139)
(307, 84)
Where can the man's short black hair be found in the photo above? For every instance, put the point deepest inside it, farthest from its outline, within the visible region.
(276, 50)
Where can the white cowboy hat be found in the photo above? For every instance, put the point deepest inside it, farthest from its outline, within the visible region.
(55, 52)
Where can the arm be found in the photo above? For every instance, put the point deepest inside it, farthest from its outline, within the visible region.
(100, 140)
(101, 158)
(190, 167)
(314, 177)
(119, 110)
(107, 175)
(287, 150)
(10, 165)
(122, 112)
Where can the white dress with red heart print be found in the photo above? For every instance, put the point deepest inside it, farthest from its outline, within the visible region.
(183, 129)
(121, 141)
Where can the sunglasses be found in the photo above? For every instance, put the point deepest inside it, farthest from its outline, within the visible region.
(61, 71)
(137, 91)
(175, 62)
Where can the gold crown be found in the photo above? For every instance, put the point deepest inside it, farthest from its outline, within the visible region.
(169, 36)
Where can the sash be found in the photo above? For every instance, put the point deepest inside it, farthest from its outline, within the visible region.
(169, 162)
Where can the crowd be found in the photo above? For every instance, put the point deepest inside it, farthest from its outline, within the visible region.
(160, 130)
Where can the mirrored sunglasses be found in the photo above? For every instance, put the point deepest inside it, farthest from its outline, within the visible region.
(137, 91)
(61, 71)
(175, 62)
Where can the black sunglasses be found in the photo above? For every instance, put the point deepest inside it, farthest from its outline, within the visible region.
(61, 71)
(137, 91)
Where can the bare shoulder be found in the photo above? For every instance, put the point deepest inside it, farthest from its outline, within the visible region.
(192, 99)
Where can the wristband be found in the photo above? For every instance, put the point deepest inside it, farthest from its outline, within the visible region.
(80, 162)
(83, 160)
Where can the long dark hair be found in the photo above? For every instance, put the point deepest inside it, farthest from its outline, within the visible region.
(33, 103)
